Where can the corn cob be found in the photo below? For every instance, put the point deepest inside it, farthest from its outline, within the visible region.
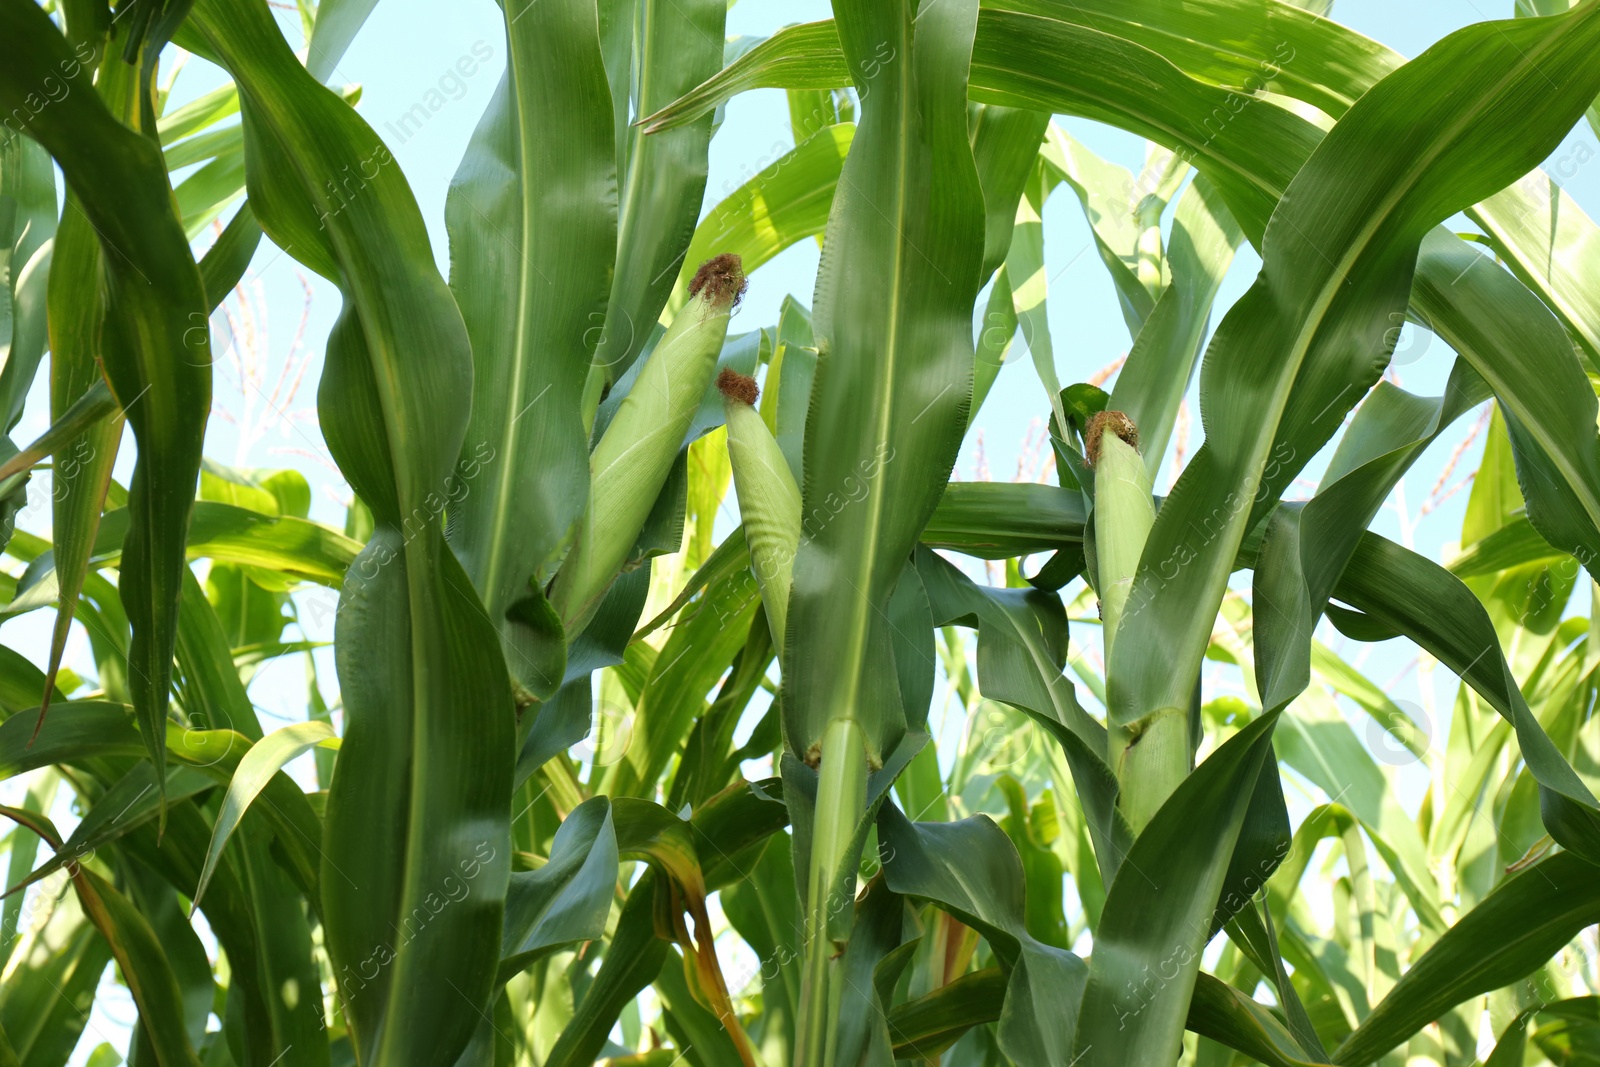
(629, 466)
(1123, 511)
(769, 499)
(1151, 755)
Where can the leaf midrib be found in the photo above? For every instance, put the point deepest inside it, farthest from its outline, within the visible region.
(866, 561)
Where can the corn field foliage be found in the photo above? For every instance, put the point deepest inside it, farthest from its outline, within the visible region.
(607, 779)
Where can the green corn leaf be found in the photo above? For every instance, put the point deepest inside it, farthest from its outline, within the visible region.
(1530, 8)
(930, 1024)
(1519, 348)
(901, 269)
(1021, 651)
(1549, 243)
(1506, 937)
(764, 909)
(89, 409)
(87, 729)
(203, 196)
(1000, 520)
(531, 272)
(569, 898)
(662, 178)
(897, 281)
(785, 202)
(90, 436)
(1148, 944)
(988, 520)
(1251, 157)
(1264, 839)
(736, 821)
(82, 734)
(222, 533)
(1360, 981)
(144, 965)
(180, 943)
(994, 340)
(697, 653)
(92, 730)
(226, 142)
(59, 963)
(21, 683)
(427, 677)
(1416, 597)
(338, 22)
(1160, 366)
(1029, 283)
(710, 761)
(1317, 743)
(139, 956)
(689, 1023)
(1545, 236)
(1005, 143)
(256, 768)
(1222, 1013)
(1479, 317)
(229, 257)
(1112, 201)
(1349, 682)
(199, 114)
(565, 719)
(632, 960)
(925, 1027)
(972, 870)
(24, 848)
(1299, 563)
(809, 109)
(255, 907)
(130, 802)
(803, 56)
(26, 243)
(208, 684)
(869, 967)
(156, 363)
(1328, 269)
(1516, 544)
(259, 921)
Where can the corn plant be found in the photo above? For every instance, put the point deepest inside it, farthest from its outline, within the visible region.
(605, 779)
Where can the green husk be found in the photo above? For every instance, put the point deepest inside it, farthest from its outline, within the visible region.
(1124, 511)
(1151, 759)
(634, 457)
(769, 499)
